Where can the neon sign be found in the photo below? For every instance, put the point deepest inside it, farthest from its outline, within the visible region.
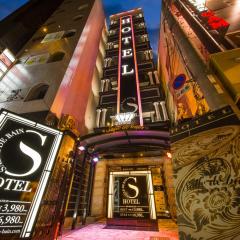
(214, 22)
(124, 118)
(209, 18)
(128, 98)
(27, 155)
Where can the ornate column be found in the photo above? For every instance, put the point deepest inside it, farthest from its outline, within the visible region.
(156, 77)
(106, 85)
(98, 117)
(107, 62)
(152, 116)
(102, 85)
(103, 122)
(158, 116)
(150, 54)
(165, 114)
(150, 75)
(146, 55)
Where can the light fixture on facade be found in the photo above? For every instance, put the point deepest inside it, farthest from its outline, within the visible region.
(9, 55)
(169, 155)
(124, 118)
(81, 148)
(95, 159)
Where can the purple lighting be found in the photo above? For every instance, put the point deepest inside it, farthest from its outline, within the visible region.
(95, 159)
(81, 148)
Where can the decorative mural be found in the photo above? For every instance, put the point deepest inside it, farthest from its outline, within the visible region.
(207, 180)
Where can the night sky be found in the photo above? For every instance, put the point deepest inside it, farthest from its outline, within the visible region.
(151, 10)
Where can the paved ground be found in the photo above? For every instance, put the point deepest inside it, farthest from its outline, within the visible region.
(96, 231)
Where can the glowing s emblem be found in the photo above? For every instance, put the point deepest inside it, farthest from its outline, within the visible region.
(133, 187)
(34, 155)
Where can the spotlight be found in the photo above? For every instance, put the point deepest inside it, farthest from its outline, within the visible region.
(95, 159)
(169, 155)
(82, 148)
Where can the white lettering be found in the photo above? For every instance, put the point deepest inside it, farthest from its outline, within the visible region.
(126, 30)
(126, 40)
(34, 155)
(2, 182)
(125, 20)
(135, 188)
(21, 186)
(15, 185)
(125, 72)
(127, 53)
(133, 105)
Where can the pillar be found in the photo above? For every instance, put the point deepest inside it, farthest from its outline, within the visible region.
(156, 77)
(98, 117)
(102, 85)
(103, 122)
(150, 75)
(158, 116)
(106, 85)
(163, 106)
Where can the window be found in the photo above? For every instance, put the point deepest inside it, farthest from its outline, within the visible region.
(53, 36)
(42, 58)
(37, 59)
(57, 56)
(69, 33)
(50, 23)
(37, 92)
(38, 38)
(78, 17)
(83, 6)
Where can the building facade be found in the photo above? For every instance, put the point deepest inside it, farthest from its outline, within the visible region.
(132, 182)
(198, 52)
(54, 80)
(47, 67)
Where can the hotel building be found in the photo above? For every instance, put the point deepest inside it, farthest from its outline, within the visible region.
(131, 184)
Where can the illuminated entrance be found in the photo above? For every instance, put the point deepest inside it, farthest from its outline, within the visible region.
(131, 195)
(131, 198)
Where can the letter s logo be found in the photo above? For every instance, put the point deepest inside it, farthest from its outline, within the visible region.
(135, 188)
(129, 104)
(34, 155)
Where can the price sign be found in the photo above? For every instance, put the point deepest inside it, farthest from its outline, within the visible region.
(27, 154)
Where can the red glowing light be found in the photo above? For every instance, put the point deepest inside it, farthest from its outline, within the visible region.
(213, 21)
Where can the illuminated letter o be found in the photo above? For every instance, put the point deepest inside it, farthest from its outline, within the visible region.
(126, 30)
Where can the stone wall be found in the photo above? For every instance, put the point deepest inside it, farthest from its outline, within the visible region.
(207, 181)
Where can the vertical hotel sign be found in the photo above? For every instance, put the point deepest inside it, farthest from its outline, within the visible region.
(27, 155)
(128, 99)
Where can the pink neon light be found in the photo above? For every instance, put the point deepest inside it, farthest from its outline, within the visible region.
(119, 65)
(137, 78)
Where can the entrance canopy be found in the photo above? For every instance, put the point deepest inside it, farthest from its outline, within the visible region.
(128, 141)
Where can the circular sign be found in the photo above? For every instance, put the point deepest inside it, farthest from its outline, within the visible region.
(179, 81)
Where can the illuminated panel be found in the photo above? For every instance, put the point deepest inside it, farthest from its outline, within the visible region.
(119, 67)
(128, 96)
(131, 195)
(137, 78)
(3, 67)
(28, 151)
(9, 55)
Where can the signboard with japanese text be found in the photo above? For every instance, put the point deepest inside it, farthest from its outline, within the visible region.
(27, 155)
(131, 197)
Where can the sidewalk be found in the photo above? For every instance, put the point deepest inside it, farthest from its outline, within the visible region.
(97, 231)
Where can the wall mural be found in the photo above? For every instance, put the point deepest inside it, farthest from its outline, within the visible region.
(207, 180)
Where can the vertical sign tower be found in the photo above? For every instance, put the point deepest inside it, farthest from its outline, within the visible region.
(128, 80)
